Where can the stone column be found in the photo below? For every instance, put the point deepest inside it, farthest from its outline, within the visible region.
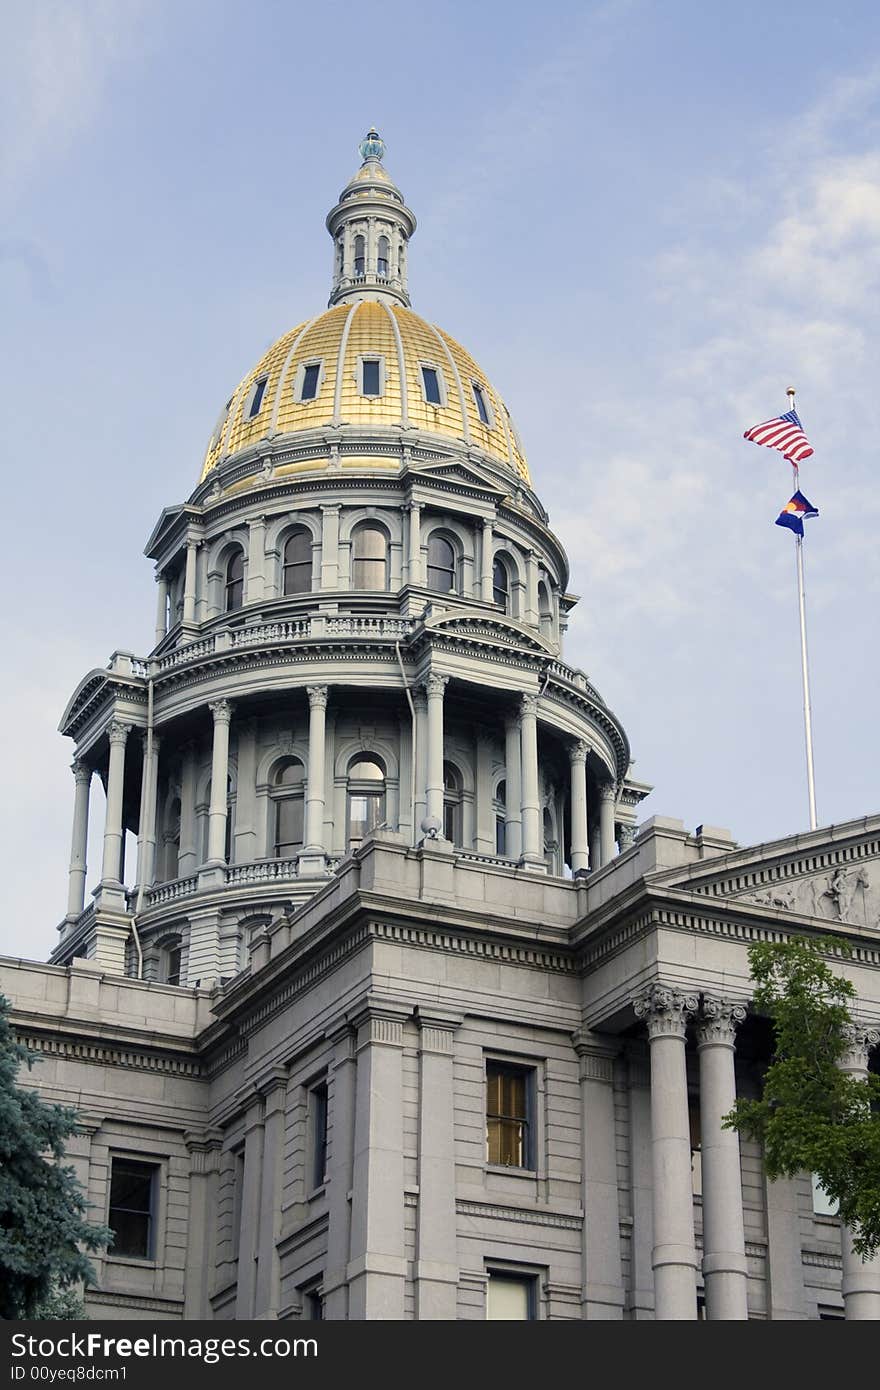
(377, 1263)
(112, 861)
(436, 1264)
(420, 704)
(724, 1243)
(267, 1280)
(189, 583)
(602, 1280)
(204, 1168)
(249, 1226)
(414, 547)
(341, 1086)
(76, 883)
(607, 797)
(513, 779)
(218, 809)
(580, 852)
(486, 562)
(861, 1278)
(146, 863)
(313, 855)
(435, 686)
(531, 807)
(674, 1258)
(161, 607)
(330, 546)
(256, 560)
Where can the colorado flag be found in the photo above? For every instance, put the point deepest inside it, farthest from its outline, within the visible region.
(794, 512)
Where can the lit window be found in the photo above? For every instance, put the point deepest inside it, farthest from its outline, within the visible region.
(298, 563)
(287, 794)
(257, 397)
(431, 383)
(370, 554)
(508, 1114)
(311, 378)
(441, 565)
(318, 1127)
(452, 804)
(234, 581)
(366, 798)
(384, 253)
(371, 377)
(482, 404)
(510, 1297)
(132, 1204)
(359, 261)
(500, 584)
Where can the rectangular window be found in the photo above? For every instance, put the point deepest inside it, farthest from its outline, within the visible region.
(510, 1297)
(431, 383)
(133, 1187)
(257, 397)
(313, 1302)
(509, 1105)
(318, 1127)
(311, 376)
(482, 406)
(823, 1205)
(371, 383)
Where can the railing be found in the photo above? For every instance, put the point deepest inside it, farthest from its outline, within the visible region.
(495, 860)
(262, 871)
(170, 892)
(267, 634)
(576, 678)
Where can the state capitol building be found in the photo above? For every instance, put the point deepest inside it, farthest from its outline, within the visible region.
(400, 1012)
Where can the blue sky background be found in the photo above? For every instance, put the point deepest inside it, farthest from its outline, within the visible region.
(645, 220)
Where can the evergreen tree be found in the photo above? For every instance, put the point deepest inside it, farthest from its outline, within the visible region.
(42, 1209)
(811, 1115)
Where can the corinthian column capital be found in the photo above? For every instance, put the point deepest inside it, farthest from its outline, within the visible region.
(859, 1039)
(221, 710)
(118, 732)
(665, 1011)
(81, 771)
(435, 685)
(317, 696)
(577, 751)
(719, 1020)
(607, 791)
(528, 705)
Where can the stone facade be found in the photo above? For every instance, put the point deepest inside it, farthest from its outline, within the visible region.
(398, 1013)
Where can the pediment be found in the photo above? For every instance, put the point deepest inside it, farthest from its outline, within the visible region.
(483, 627)
(454, 470)
(829, 877)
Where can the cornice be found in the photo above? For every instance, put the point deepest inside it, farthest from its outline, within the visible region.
(102, 1053)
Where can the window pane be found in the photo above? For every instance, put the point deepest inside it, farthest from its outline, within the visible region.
(257, 399)
(173, 966)
(500, 835)
(289, 775)
(368, 769)
(131, 1204)
(298, 563)
(432, 385)
(500, 583)
(358, 255)
(509, 1298)
(310, 382)
(482, 409)
(370, 570)
(319, 1134)
(365, 812)
(370, 370)
(288, 825)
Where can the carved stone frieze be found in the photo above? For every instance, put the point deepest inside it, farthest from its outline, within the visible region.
(849, 893)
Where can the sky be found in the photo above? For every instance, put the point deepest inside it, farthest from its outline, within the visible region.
(644, 220)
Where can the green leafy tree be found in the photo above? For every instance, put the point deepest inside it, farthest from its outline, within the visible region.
(42, 1209)
(811, 1114)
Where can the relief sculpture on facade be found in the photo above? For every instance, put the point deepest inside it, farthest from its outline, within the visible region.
(847, 894)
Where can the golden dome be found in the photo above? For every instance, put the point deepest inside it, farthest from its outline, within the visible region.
(338, 340)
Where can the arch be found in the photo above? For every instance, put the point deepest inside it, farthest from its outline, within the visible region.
(499, 808)
(296, 562)
(370, 557)
(366, 799)
(453, 786)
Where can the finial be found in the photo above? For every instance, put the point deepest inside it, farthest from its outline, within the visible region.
(372, 146)
(790, 391)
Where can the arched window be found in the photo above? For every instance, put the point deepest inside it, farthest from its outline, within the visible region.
(366, 797)
(171, 841)
(384, 252)
(441, 565)
(499, 805)
(234, 592)
(298, 563)
(545, 609)
(370, 558)
(501, 585)
(288, 798)
(452, 829)
(340, 256)
(359, 263)
(170, 958)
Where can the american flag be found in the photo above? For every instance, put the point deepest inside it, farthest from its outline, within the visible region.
(785, 433)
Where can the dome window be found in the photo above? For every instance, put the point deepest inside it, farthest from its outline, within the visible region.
(372, 375)
(288, 797)
(501, 585)
(432, 385)
(366, 797)
(257, 397)
(360, 262)
(441, 565)
(452, 799)
(370, 551)
(234, 589)
(384, 256)
(310, 383)
(482, 404)
(499, 806)
(298, 563)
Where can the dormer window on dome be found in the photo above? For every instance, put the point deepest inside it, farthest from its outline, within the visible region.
(257, 394)
(432, 385)
(482, 404)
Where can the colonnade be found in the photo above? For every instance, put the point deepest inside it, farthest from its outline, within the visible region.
(666, 1012)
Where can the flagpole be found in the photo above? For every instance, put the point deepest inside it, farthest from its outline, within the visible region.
(805, 666)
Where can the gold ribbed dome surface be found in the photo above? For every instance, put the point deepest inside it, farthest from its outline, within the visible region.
(338, 339)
